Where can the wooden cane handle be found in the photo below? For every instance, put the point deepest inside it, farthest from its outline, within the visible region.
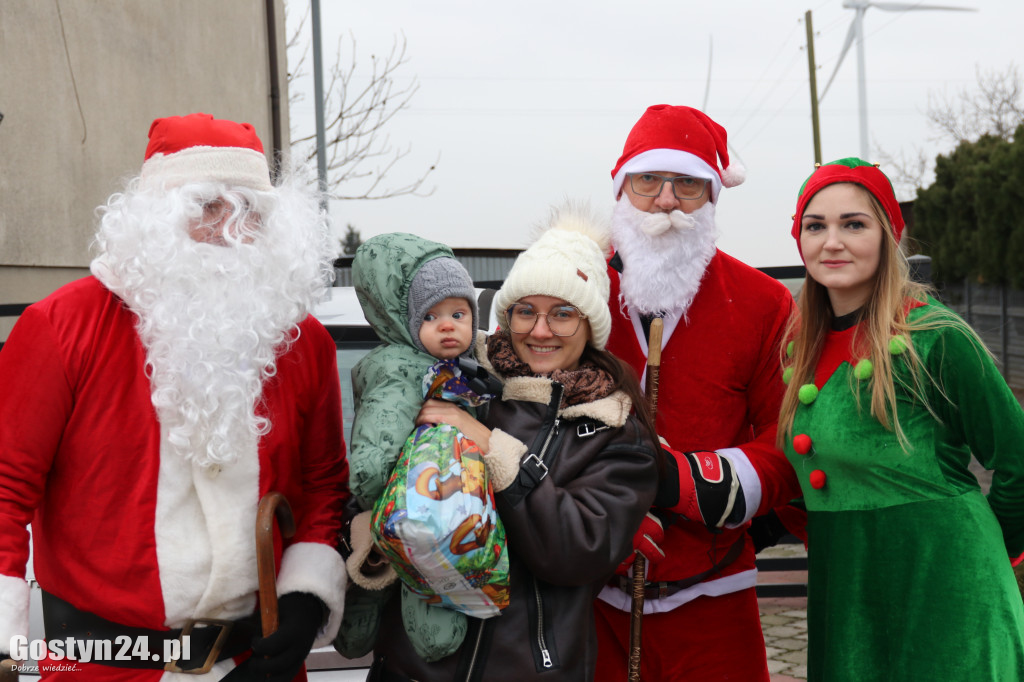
(654, 342)
(8, 670)
(653, 365)
(272, 505)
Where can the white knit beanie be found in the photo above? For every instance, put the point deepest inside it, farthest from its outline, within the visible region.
(567, 262)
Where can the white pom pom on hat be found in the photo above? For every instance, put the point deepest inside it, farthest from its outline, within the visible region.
(734, 175)
(678, 139)
(568, 261)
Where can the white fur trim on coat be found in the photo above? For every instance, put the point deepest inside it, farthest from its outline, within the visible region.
(503, 459)
(204, 531)
(529, 389)
(14, 596)
(750, 483)
(612, 410)
(316, 568)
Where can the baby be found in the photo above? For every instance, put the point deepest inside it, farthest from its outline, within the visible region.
(422, 304)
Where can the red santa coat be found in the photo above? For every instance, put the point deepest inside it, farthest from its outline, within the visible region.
(137, 538)
(720, 389)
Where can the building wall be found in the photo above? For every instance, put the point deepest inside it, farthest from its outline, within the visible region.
(80, 84)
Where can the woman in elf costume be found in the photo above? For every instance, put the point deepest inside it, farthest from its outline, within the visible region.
(889, 394)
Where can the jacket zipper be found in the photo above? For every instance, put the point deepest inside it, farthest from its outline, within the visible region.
(556, 400)
(476, 651)
(547, 441)
(541, 643)
(536, 460)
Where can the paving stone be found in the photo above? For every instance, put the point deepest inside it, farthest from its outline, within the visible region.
(775, 619)
(785, 645)
(781, 631)
(784, 624)
(798, 657)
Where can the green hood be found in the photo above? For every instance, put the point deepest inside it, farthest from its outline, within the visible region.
(382, 272)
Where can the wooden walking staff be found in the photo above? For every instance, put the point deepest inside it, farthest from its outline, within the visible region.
(272, 505)
(640, 563)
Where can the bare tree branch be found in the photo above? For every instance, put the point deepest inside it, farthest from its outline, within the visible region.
(361, 159)
(906, 171)
(297, 50)
(993, 108)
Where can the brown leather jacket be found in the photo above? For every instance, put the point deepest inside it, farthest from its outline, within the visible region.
(587, 480)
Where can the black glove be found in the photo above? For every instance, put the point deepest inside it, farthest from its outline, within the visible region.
(279, 657)
(766, 531)
(769, 529)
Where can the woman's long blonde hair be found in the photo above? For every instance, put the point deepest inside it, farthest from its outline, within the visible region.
(883, 317)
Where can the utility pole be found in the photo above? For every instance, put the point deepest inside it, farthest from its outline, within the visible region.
(862, 86)
(318, 94)
(814, 87)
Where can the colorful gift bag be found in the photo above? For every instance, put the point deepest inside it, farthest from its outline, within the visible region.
(436, 520)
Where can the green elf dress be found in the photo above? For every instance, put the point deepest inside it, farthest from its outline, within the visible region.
(909, 576)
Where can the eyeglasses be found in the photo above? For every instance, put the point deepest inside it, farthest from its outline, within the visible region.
(563, 320)
(683, 187)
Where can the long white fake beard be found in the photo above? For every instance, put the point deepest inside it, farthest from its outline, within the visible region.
(664, 256)
(213, 319)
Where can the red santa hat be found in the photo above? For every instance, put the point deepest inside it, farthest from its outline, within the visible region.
(858, 172)
(201, 148)
(678, 140)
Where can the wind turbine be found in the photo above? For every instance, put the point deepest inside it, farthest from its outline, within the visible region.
(857, 31)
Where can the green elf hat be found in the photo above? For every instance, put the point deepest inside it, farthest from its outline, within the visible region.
(859, 172)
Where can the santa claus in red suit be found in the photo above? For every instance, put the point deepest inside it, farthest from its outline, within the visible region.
(719, 394)
(148, 408)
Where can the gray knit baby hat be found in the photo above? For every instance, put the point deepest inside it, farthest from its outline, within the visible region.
(435, 281)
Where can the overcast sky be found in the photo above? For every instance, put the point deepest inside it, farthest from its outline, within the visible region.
(528, 103)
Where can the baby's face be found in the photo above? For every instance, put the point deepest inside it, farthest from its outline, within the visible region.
(447, 329)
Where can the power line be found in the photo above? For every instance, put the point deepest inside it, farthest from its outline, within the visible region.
(771, 91)
(768, 67)
(778, 111)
